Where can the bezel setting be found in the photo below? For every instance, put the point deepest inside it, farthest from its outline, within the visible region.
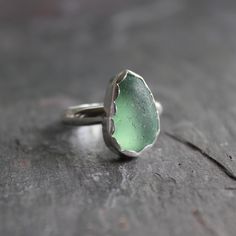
(110, 108)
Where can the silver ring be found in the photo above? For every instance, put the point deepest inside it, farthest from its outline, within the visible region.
(130, 115)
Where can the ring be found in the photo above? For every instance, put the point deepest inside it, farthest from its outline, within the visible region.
(130, 116)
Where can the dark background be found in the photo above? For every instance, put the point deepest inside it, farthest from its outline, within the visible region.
(62, 181)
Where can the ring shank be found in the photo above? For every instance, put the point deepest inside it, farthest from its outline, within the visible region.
(90, 114)
(86, 114)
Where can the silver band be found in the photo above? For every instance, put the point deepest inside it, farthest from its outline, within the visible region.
(86, 114)
(90, 114)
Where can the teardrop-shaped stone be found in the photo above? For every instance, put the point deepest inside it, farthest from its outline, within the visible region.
(136, 120)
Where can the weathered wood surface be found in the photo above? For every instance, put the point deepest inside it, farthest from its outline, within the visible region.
(62, 181)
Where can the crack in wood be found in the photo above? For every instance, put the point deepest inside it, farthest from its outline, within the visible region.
(230, 188)
(205, 153)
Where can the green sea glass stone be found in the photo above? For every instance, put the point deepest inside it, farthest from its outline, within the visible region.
(136, 120)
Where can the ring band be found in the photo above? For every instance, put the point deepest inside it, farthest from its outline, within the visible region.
(85, 114)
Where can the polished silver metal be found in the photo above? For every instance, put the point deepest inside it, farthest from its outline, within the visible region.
(102, 113)
(86, 114)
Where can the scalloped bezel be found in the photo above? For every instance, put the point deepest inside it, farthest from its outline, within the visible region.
(112, 93)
